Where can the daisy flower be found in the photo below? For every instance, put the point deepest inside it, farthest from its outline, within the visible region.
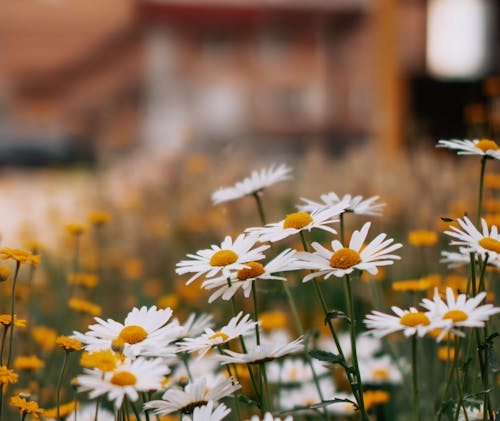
(244, 278)
(482, 147)
(193, 326)
(299, 221)
(196, 393)
(380, 370)
(266, 351)
(145, 331)
(454, 259)
(306, 394)
(471, 239)
(237, 326)
(366, 345)
(127, 380)
(342, 260)
(411, 322)
(459, 312)
(255, 183)
(208, 413)
(355, 204)
(294, 371)
(227, 257)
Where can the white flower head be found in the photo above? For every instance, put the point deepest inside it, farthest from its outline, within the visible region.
(229, 256)
(356, 204)
(196, 393)
(239, 325)
(127, 380)
(472, 240)
(244, 278)
(270, 417)
(208, 412)
(266, 351)
(144, 332)
(299, 221)
(459, 312)
(344, 260)
(255, 183)
(380, 370)
(410, 322)
(454, 259)
(481, 147)
(294, 371)
(306, 394)
(194, 325)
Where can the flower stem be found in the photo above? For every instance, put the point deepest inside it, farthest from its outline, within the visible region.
(416, 404)
(352, 326)
(260, 208)
(12, 305)
(59, 382)
(480, 199)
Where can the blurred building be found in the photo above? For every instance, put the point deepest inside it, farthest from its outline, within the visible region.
(90, 78)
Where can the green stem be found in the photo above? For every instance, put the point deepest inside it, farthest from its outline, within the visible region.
(260, 208)
(416, 404)
(12, 322)
(2, 347)
(354, 353)
(96, 413)
(59, 382)
(480, 199)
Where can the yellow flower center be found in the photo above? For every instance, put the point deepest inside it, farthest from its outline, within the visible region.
(490, 244)
(253, 270)
(221, 335)
(123, 378)
(345, 258)
(380, 374)
(487, 145)
(223, 258)
(297, 220)
(456, 316)
(414, 319)
(133, 334)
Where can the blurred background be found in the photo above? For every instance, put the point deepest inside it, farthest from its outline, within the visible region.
(134, 87)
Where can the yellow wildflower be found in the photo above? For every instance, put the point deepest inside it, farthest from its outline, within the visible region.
(6, 320)
(273, 320)
(169, 300)
(84, 306)
(133, 268)
(88, 280)
(76, 229)
(64, 410)
(20, 256)
(492, 181)
(105, 360)
(422, 284)
(422, 238)
(26, 407)
(8, 376)
(69, 344)
(445, 353)
(28, 363)
(45, 337)
(99, 217)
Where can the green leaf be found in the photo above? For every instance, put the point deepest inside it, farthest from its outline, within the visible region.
(326, 356)
(319, 405)
(446, 219)
(336, 314)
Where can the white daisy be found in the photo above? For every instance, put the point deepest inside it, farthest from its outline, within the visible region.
(454, 259)
(294, 371)
(144, 332)
(299, 221)
(239, 325)
(127, 380)
(343, 260)
(380, 370)
(264, 352)
(198, 367)
(227, 257)
(306, 394)
(459, 312)
(482, 147)
(474, 413)
(356, 204)
(269, 417)
(244, 278)
(255, 183)
(193, 326)
(411, 322)
(366, 345)
(208, 412)
(471, 239)
(196, 393)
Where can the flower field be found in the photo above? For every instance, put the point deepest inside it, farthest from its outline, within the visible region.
(209, 288)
